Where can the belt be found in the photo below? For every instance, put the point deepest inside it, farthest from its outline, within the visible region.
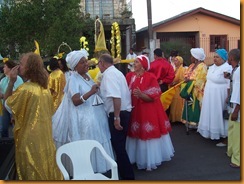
(111, 113)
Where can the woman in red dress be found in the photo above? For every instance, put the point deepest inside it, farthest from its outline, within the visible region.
(148, 141)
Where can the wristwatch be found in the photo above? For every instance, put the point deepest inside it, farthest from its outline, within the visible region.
(115, 118)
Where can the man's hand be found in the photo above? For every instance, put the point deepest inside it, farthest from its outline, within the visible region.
(234, 116)
(117, 124)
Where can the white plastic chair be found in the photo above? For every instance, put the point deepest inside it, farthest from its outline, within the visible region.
(79, 153)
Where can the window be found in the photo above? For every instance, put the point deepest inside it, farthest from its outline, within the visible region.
(100, 8)
(218, 42)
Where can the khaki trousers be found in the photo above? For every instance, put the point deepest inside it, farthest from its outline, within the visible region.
(233, 149)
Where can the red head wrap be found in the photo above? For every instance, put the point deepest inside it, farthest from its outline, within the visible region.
(144, 61)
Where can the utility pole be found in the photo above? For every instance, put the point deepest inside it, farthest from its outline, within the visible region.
(151, 41)
(149, 17)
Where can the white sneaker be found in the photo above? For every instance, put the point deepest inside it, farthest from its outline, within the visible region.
(221, 144)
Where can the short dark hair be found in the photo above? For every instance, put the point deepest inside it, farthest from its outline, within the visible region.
(174, 53)
(64, 64)
(53, 64)
(10, 63)
(106, 58)
(158, 52)
(235, 53)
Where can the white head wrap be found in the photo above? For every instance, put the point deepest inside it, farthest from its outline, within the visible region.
(144, 61)
(74, 57)
(198, 53)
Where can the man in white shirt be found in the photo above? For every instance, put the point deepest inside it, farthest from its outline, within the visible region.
(233, 149)
(117, 104)
(130, 56)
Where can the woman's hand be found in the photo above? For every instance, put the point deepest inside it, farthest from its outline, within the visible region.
(13, 74)
(186, 79)
(137, 92)
(227, 75)
(94, 89)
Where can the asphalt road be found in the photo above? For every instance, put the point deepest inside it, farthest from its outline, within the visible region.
(196, 158)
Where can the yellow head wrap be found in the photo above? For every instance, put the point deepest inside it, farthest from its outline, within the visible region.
(180, 59)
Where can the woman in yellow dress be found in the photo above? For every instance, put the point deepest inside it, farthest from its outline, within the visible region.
(31, 108)
(56, 83)
(193, 88)
(177, 104)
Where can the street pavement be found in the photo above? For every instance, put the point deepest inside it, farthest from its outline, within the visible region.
(196, 158)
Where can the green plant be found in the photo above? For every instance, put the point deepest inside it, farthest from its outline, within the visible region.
(126, 12)
(49, 22)
(182, 47)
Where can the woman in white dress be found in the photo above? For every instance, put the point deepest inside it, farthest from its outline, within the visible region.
(212, 124)
(80, 117)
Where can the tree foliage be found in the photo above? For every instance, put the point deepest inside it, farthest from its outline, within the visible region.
(49, 22)
(179, 45)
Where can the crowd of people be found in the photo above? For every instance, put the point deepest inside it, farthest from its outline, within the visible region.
(122, 112)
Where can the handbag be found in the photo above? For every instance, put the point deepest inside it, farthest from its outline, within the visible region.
(226, 113)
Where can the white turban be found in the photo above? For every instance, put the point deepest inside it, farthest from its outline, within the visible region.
(74, 57)
(198, 53)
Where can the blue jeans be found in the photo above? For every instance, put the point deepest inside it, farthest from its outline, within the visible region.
(6, 118)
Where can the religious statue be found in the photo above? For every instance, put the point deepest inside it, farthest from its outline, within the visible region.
(100, 43)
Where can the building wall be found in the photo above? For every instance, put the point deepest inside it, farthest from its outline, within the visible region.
(204, 26)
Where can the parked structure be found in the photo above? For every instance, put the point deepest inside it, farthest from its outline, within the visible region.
(195, 28)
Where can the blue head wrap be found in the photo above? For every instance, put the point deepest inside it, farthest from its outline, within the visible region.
(222, 53)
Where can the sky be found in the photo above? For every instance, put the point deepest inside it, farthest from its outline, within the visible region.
(164, 9)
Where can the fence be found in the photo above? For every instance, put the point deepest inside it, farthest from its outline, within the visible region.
(209, 46)
(184, 44)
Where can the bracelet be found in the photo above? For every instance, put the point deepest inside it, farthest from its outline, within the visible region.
(115, 118)
(82, 99)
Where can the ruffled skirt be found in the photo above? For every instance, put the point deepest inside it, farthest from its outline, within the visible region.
(148, 154)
